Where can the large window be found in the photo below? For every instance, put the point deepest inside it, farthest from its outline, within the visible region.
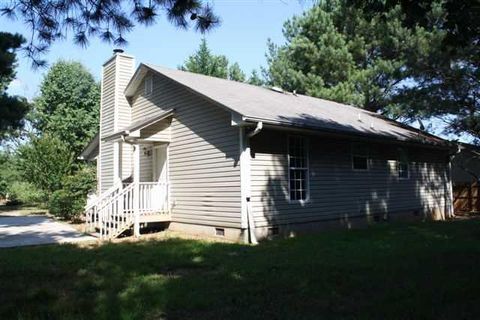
(359, 157)
(298, 168)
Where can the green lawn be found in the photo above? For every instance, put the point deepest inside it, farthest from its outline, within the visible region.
(398, 271)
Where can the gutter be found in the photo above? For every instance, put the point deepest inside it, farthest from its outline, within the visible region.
(343, 134)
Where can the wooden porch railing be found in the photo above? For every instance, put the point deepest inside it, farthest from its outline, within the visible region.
(115, 212)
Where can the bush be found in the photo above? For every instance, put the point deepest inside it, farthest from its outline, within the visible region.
(69, 202)
(25, 193)
(45, 162)
(66, 205)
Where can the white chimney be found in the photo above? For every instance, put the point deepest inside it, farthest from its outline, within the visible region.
(114, 161)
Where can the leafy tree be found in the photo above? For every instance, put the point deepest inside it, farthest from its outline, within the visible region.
(52, 20)
(385, 56)
(12, 108)
(45, 162)
(7, 172)
(68, 105)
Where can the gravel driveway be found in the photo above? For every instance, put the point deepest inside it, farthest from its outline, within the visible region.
(18, 231)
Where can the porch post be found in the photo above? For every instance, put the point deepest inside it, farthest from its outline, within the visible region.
(117, 163)
(136, 190)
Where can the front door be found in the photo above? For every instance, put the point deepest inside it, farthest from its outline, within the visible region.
(160, 176)
(160, 163)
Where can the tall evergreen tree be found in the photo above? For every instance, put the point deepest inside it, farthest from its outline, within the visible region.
(12, 108)
(235, 73)
(203, 61)
(385, 57)
(68, 105)
(255, 79)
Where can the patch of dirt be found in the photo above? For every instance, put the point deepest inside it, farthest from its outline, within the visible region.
(20, 210)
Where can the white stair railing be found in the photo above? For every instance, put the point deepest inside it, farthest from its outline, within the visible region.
(117, 214)
(92, 209)
(113, 213)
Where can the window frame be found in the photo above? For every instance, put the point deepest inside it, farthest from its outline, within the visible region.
(354, 154)
(306, 168)
(148, 85)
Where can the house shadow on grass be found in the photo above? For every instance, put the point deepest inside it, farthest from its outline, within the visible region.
(422, 270)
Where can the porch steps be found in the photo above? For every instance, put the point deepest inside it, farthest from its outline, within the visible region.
(115, 213)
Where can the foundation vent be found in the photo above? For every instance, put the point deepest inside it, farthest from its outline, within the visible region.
(273, 231)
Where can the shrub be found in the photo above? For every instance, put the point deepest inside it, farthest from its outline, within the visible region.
(65, 204)
(69, 202)
(24, 192)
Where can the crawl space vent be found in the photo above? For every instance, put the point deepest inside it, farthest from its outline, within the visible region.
(220, 232)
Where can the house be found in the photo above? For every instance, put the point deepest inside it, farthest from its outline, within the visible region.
(465, 178)
(222, 158)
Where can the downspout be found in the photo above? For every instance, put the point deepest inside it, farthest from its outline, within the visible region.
(256, 131)
(451, 156)
(250, 221)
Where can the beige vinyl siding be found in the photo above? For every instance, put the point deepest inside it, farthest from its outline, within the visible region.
(204, 170)
(146, 157)
(336, 190)
(125, 69)
(160, 131)
(123, 109)
(107, 125)
(106, 165)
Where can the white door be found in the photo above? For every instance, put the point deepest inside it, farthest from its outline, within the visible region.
(160, 175)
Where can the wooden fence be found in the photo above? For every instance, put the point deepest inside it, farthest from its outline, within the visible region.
(466, 198)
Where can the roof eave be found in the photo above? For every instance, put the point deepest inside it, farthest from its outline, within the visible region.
(284, 125)
(89, 149)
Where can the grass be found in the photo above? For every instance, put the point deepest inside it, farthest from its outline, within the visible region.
(398, 271)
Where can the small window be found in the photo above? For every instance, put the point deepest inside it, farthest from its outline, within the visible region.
(148, 85)
(402, 164)
(220, 232)
(403, 172)
(359, 157)
(298, 168)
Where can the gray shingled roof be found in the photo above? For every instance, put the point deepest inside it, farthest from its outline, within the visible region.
(271, 107)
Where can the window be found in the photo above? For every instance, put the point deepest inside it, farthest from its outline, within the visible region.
(403, 172)
(402, 164)
(359, 157)
(297, 168)
(148, 85)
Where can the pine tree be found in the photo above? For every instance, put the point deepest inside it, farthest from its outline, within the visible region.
(408, 59)
(110, 21)
(204, 62)
(12, 108)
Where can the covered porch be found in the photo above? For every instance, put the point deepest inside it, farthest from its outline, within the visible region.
(140, 190)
